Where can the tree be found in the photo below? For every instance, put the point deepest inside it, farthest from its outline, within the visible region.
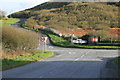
(2, 13)
(103, 34)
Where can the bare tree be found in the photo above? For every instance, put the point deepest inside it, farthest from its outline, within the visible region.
(2, 13)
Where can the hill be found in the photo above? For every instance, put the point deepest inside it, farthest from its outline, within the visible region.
(79, 18)
(70, 15)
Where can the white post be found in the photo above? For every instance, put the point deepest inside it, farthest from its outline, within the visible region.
(72, 38)
(60, 36)
(43, 47)
(111, 39)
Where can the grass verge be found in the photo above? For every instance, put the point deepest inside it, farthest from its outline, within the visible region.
(23, 60)
(55, 40)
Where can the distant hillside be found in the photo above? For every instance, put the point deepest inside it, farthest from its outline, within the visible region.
(71, 15)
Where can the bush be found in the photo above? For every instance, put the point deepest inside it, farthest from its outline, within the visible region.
(30, 22)
(14, 38)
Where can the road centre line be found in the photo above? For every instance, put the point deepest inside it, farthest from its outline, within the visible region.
(82, 55)
(76, 59)
(88, 52)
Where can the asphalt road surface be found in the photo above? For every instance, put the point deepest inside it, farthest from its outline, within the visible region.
(69, 63)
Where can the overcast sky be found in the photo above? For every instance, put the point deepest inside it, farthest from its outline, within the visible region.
(11, 6)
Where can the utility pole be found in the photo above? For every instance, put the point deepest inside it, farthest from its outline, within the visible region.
(72, 35)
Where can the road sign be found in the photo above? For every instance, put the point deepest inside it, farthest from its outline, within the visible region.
(44, 39)
(95, 39)
(60, 34)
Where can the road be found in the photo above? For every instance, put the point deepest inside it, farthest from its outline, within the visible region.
(69, 63)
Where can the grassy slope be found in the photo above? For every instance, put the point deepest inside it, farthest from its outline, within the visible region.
(9, 21)
(23, 60)
(72, 15)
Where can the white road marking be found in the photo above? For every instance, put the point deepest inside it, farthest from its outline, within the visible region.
(88, 52)
(69, 52)
(50, 47)
(58, 55)
(76, 59)
(72, 52)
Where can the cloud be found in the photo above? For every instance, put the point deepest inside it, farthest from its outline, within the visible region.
(11, 6)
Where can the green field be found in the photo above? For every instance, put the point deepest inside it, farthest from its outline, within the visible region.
(9, 21)
(55, 39)
(23, 60)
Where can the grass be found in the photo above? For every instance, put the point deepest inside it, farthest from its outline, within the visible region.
(55, 40)
(9, 21)
(23, 60)
(65, 43)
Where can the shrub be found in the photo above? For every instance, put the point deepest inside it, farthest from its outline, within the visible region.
(30, 22)
(102, 27)
(14, 38)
